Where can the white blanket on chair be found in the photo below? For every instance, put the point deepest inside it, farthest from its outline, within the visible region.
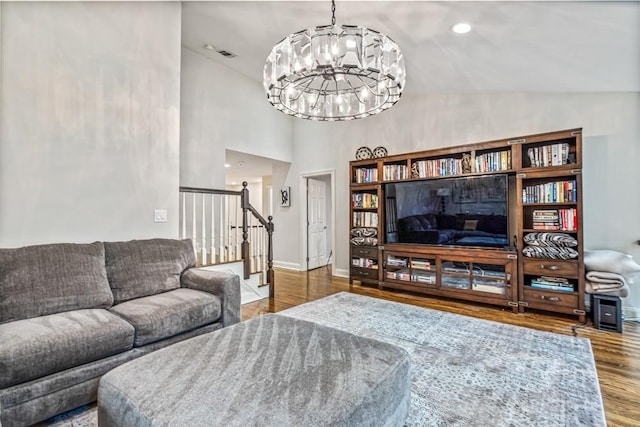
(610, 261)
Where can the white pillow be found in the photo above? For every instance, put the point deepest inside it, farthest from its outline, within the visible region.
(611, 261)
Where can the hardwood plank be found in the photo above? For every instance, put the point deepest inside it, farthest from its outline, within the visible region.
(617, 356)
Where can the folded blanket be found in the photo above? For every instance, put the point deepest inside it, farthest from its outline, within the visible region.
(599, 288)
(606, 279)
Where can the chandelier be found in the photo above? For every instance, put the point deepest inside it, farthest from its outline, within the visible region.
(334, 72)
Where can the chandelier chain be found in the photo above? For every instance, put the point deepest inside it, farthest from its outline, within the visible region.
(333, 12)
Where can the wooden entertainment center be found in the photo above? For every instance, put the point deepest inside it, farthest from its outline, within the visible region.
(539, 266)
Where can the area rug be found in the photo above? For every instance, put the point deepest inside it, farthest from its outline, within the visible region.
(473, 372)
(465, 371)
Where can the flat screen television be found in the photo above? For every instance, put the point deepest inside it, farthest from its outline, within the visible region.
(459, 211)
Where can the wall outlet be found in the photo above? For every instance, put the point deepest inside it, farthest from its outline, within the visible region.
(160, 215)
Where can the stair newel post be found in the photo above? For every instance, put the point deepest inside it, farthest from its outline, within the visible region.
(246, 260)
(270, 276)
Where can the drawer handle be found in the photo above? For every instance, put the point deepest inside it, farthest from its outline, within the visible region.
(551, 267)
(364, 273)
(544, 297)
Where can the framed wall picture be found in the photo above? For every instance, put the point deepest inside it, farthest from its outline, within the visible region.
(285, 197)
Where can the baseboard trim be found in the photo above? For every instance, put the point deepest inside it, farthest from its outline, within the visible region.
(341, 272)
(287, 265)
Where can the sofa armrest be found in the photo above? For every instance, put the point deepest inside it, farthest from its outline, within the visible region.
(226, 286)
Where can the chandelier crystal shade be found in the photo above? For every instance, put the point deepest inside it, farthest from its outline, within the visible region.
(334, 72)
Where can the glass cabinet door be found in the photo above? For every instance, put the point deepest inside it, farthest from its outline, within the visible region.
(397, 268)
(455, 274)
(423, 270)
(491, 278)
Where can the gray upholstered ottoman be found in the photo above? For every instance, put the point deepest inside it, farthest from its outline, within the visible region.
(269, 371)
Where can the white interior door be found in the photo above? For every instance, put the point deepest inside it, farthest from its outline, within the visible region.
(316, 223)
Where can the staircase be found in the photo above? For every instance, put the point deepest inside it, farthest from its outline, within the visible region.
(229, 234)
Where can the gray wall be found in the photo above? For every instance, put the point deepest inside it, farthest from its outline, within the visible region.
(222, 109)
(90, 121)
(611, 149)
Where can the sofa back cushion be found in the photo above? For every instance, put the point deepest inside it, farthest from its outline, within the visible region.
(139, 268)
(48, 279)
(448, 222)
(495, 224)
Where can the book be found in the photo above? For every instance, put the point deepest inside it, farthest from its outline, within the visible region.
(538, 285)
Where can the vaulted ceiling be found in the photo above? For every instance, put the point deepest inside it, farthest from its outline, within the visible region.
(541, 46)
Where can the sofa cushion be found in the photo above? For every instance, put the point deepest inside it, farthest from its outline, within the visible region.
(47, 279)
(33, 348)
(418, 222)
(139, 268)
(164, 315)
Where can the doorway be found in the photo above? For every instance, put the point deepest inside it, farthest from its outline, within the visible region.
(318, 220)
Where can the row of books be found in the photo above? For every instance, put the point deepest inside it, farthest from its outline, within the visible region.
(364, 262)
(552, 283)
(406, 275)
(496, 161)
(555, 219)
(364, 200)
(551, 192)
(437, 167)
(395, 172)
(549, 155)
(365, 175)
(365, 219)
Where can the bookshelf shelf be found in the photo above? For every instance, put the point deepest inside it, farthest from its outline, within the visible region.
(551, 204)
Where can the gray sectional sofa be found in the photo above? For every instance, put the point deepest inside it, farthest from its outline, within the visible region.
(69, 313)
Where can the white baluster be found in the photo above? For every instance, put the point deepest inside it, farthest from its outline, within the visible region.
(213, 231)
(204, 231)
(183, 197)
(194, 222)
(229, 231)
(237, 237)
(222, 250)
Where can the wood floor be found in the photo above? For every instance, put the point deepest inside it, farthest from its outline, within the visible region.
(617, 355)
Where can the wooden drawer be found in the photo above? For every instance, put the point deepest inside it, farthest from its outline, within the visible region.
(551, 267)
(551, 298)
(364, 273)
(365, 251)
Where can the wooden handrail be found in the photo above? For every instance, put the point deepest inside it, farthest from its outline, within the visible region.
(210, 191)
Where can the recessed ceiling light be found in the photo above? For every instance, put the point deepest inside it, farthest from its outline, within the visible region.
(209, 46)
(227, 165)
(461, 28)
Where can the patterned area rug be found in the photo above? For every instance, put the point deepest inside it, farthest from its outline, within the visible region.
(466, 371)
(84, 416)
(472, 372)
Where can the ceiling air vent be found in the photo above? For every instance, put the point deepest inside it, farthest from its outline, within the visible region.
(226, 53)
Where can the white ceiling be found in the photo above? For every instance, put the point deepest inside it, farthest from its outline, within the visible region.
(513, 46)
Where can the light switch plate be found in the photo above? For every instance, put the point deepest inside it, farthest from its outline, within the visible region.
(160, 215)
